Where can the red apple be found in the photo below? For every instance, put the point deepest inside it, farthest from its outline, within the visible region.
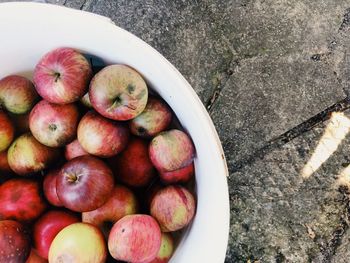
(100, 136)
(62, 76)
(48, 226)
(14, 242)
(73, 150)
(133, 166)
(54, 125)
(166, 249)
(4, 165)
(155, 118)
(17, 94)
(173, 207)
(35, 258)
(21, 200)
(27, 156)
(122, 202)
(7, 131)
(135, 238)
(50, 189)
(118, 92)
(182, 175)
(79, 242)
(86, 100)
(171, 150)
(84, 184)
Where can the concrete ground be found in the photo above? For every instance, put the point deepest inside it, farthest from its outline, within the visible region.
(274, 76)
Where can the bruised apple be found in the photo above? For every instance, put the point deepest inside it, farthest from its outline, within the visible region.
(118, 92)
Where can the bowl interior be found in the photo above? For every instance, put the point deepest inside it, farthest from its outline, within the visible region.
(29, 30)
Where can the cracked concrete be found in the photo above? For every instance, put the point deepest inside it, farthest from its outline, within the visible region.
(270, 72)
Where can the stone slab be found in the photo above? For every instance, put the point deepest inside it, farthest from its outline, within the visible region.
(266, 97)
(279, 213)
(342, 254)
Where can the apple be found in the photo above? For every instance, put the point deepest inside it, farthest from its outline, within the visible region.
(4, 165)
(135, 238)
(50, 189)
(27, 156)
(21, 122)
(7, 131)
(14, 242)
(122, 202)
(54, 125)
(133, 166)
(79, 242)
(48, 226)
(35, 258)
(155, 118)
(73, 150)
(86, 100)
(171, 150)
(166, 249)
(118, 92)
(62, 76)
(21, 200)
(182, 175)
(173, 207)
(100, 136)
(17, 94)
(84, 184)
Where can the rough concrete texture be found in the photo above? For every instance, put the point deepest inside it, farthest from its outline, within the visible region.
(262, 67)
(342, 254)
(285, 71)
(277, 215)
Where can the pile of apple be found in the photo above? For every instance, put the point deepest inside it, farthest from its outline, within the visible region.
(92, 167)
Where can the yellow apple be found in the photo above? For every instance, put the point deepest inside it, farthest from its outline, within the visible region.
(79, 242)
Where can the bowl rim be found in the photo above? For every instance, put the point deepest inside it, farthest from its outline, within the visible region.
(213, 140)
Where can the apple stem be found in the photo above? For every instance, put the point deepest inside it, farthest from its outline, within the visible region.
(57, 76)
(72, 178)
(52, 127)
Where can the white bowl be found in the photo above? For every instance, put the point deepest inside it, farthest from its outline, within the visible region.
(28, 30)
